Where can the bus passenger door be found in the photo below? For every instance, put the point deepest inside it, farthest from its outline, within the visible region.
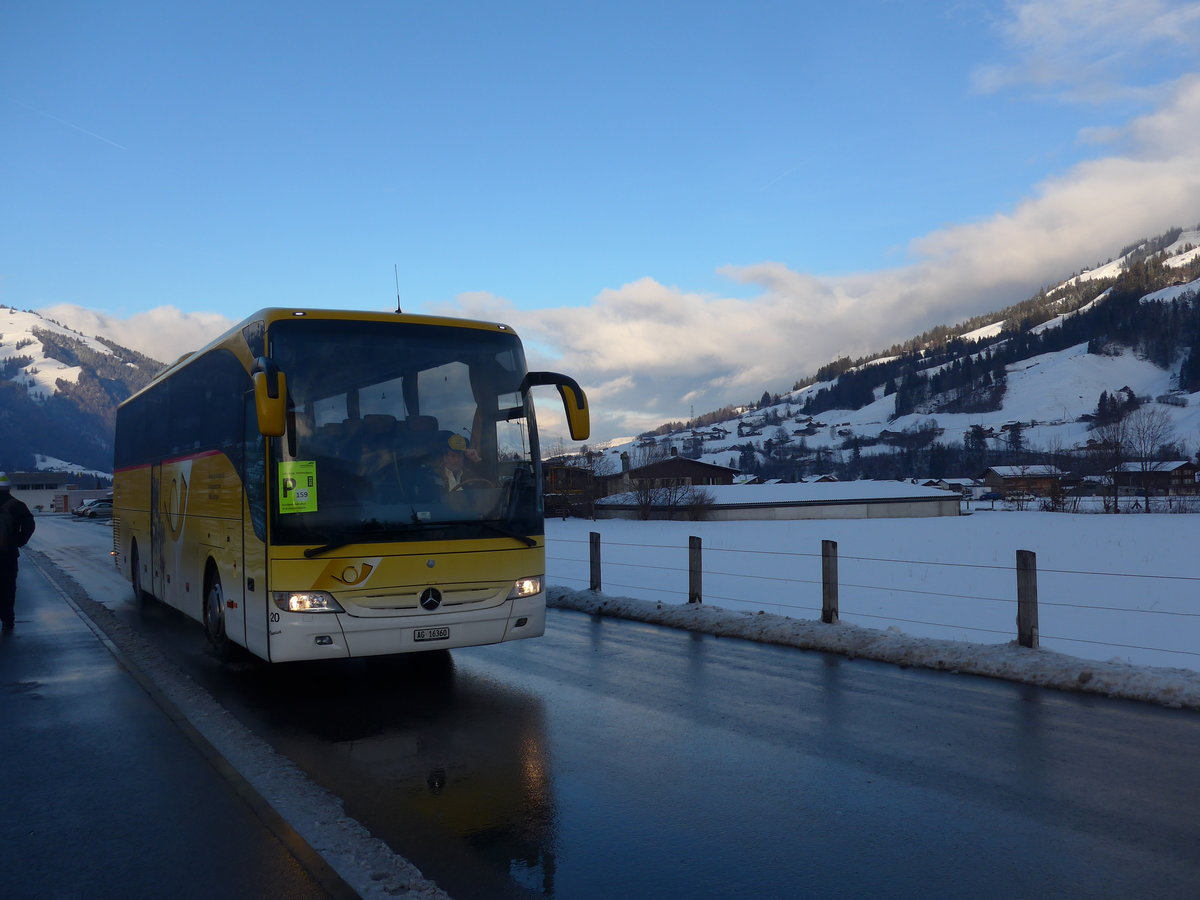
(158, 558)
(253, 537)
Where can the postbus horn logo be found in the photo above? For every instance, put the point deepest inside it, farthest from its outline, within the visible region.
(351, 576)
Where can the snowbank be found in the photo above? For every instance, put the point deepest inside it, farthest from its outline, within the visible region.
(1045, 668)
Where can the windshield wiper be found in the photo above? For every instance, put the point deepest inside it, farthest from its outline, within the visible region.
(317, 551)
(507, 532)
(354, 537)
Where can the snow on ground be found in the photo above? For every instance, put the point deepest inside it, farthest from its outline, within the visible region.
(1183, 258)
(1176, 252)
(39, 377)
(987, 331)
(1052, 389)
(1108, 270)
(1118, 600)
(52, 464)
(1173, 292)
(1058, 320)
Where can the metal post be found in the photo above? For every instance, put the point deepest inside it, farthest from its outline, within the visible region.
(1027, 602)
(695, 572)
(829, 582)
(594, 553)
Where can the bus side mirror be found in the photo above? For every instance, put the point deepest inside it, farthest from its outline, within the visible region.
(270, 397)
(574, 401)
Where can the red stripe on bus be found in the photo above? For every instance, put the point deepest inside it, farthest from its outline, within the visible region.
(165, 462)
(179, 459)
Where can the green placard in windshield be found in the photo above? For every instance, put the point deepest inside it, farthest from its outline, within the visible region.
(298, 486)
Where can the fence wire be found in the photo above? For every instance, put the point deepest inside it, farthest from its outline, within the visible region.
(846, 611)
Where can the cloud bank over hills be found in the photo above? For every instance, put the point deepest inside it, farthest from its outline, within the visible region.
(648, 351)
(164, 333)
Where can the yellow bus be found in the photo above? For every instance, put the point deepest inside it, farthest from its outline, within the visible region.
(321, 484)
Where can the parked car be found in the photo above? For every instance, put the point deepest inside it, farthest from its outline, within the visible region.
(82, 508)
(101, 509)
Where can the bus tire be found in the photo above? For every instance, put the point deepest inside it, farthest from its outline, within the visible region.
(214, 617)
(140, 597)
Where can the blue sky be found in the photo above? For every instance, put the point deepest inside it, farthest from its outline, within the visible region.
(671, 200)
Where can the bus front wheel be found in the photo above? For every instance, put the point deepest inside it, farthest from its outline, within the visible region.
(135, 573)
(214, 618)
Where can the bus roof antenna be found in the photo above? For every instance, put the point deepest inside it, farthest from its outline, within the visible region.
(396, 271)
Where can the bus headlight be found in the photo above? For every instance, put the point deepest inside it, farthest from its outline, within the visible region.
(526, 587)
(306, 602)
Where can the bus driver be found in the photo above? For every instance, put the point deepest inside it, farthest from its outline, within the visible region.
(451, 470)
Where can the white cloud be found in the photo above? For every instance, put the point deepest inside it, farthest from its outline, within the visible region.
(1090, 50)
(164, 333)
(648, 352)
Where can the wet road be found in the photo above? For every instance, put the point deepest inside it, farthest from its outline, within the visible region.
(103, 795)
(613, 758)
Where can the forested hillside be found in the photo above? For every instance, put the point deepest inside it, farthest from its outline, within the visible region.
(1013, 387)
(59, 391)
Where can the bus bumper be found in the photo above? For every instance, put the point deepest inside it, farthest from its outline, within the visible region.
(338, 636)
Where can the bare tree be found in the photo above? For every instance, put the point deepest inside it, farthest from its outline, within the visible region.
(1057, 500)
(595, 461)
(1149, 431)
(667, 495)
(1108, 452)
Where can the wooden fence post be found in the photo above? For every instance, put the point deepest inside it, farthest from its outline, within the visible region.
(829, 582)
(695, 572)
(594, 554)
(1027, 603)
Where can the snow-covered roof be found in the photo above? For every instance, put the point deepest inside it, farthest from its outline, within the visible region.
(1027, 471)
(1151, 466)
(825, 492)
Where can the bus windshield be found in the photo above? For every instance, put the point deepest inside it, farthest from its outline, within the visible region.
(405, 432)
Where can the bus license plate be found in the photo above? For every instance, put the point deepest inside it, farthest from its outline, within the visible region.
(431, 634)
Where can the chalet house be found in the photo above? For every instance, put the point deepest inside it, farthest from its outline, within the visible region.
(674, 470)
(563, 477)
(1168, 478)
(1038, 480)
(569, 487)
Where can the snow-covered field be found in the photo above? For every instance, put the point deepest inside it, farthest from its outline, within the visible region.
(1051, 390)
(42, 373)
(1119, 596)
(1048, 394)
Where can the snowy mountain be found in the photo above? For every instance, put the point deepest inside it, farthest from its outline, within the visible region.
(59, 390)
(996, 389)
(1024, 385)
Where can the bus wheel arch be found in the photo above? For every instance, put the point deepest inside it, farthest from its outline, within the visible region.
(135, 574)
(214, 613)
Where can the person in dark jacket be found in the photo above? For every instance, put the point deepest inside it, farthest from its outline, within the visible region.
(16, 528)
